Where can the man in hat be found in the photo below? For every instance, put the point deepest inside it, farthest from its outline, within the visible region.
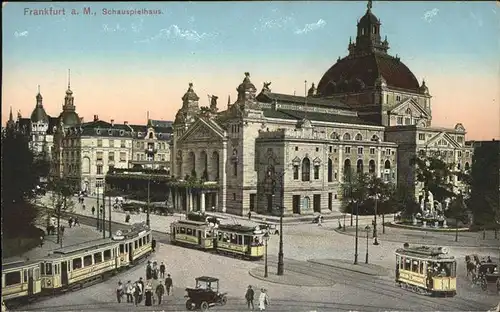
(249, 296)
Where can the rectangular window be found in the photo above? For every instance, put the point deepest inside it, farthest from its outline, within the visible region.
(99, 169)
(421, 136)
(347, 150)
(316, 172)
(98, 256)
(460, 139)
(111, 156)
(331, 148)
(87, 261)
(99, 155)
(399, 120)
(111, 143)
(123, 156)
(295, 172)
(122, 143)
(407, 121)
(12, 278)
(48, 268)
(99, 142)
(107, 254)
(77, 263)
(388, 152)
(42, 268)
(459, 154)
(360, 151)
(372, 151)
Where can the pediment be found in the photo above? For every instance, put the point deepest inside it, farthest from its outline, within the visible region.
(296, 160)
(443, 140)
(317, 161)
(202, 130)
(410, 105)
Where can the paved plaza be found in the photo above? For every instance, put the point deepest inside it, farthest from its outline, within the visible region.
(319, 276)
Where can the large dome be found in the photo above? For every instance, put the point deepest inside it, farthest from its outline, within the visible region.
(351, 72)
(39, 115)
(69, 118)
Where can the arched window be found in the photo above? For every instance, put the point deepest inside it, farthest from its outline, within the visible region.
(387, 170)
(151, 135)
(358, 137)
(192, 164)
(305, 205)
(375, 138)
(467, 167)
(215, 165)
(330, 170)
(387, 164)
(346, 137)
(86, 165)
(347, 170)
(306, 169)
(334, 136)
(371, 166)
(359, 166)
(204, 165)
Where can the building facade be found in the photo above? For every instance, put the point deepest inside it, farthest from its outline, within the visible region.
(89, 150)
(368, 113)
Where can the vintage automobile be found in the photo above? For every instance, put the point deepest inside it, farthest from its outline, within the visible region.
(205, 294)
(487, 273)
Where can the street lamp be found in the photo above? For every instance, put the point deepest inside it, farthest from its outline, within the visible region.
(356, 240)
(147, 208)
(375, 234)
(266, 239)
(367, 228)
(280, 177)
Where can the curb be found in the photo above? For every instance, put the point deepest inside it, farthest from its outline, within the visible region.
(323, 283)
(427, 244)
(426, 229)
(348, 269)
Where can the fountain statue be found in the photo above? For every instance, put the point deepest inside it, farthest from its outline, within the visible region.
(431, 203)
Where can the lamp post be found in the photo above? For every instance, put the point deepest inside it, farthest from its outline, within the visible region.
(109, 201)
(375, 234)
(147, 208)
(103, 214)
(356, 239)
(266, 239)
(280, 178)
(97, 216)
(367, 228)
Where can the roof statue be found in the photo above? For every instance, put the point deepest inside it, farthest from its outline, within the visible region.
(190, 95)
(369, 5)
(266, 87)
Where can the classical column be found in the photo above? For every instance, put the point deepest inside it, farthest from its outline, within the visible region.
(216, 201)
(341, 165)
(202, 202)
(190, 201)
(223, 178)
(379, 162)
(187, 200)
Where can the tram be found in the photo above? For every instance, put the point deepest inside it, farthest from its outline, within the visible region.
(426, 270)
(204, 233)
(74, 266)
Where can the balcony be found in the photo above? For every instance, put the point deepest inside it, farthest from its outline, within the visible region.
(151, 150)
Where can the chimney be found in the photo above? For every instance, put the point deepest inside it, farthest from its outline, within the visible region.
(112, 122)
(125, 123)
(96, 118)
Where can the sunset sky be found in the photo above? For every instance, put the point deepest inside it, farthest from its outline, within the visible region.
(123, 66)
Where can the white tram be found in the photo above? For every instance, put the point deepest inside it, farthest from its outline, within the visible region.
(196, 234)
(20, 278)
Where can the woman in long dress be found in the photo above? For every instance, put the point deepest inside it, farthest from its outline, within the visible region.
(149, 294)
(263, 299)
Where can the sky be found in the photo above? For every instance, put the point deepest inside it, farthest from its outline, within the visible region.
(123, 66)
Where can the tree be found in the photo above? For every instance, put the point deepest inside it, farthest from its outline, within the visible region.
(354, 191)
(402, 200)
(458, 211)
(382, 191)
(436, 175)
(61, 200)
(19, 179)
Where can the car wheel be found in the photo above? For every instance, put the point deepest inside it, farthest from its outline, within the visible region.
(204, 306)
(223, 300)
(189, 305)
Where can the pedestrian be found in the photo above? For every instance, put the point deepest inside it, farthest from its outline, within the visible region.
(119, 292)
(149, 271)
(263, 299)
(162, 270)
(70, 222)
(137, 293)
(83, 206)
(153, 244)
(129, 290)
(41, 241)
(93, 210)
(148, 291)
(141, 288)
(249, 296)
(62, 230)
(489, 260)
(160, 291)
(320, 220)
(155, 271)
(249, 215)
(127, 217)
(75, 222)
(168, 284)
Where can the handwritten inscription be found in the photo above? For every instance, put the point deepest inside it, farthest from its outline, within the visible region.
(50, 11)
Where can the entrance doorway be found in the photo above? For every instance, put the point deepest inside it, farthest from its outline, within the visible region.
(317, 202)
(296, 204)
(252, 202)
(269, 203)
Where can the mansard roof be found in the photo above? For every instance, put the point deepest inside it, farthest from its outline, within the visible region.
(270, 97)
(314, 116)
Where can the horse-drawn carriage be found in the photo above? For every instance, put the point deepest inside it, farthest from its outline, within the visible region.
(483, 272)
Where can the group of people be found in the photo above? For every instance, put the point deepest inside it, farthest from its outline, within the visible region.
(263, 298)
(73, 222)
(138, 291)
